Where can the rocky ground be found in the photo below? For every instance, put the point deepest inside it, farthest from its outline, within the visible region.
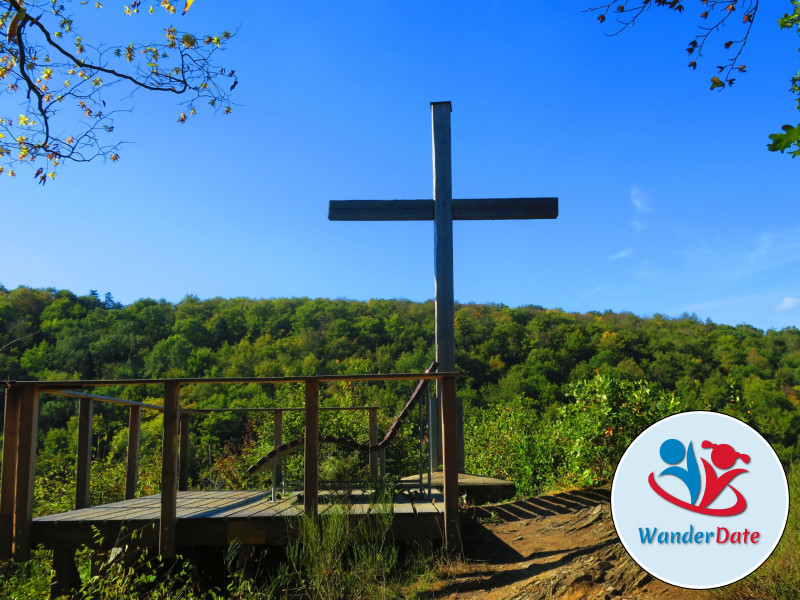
(554, 546)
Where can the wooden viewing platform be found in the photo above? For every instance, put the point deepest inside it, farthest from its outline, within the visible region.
(221, 517)
(178, 518)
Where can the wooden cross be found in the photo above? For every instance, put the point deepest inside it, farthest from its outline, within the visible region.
(442, 211)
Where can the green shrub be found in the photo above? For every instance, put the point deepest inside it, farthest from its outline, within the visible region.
(593, 432)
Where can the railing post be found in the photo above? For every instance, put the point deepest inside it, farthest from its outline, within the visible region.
(132, 466)
(277, 437)
(8, 479)
(85, 416)
(183, 481)
(460, 434)
(311, 457)
(26, 471)
(373, 440)
(169, 472)
(450, 456)
(434, 432)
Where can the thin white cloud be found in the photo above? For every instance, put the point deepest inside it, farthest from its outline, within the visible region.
(740, 257)
(627, 253)
(788, 303)
(641, 204)
(640, 200)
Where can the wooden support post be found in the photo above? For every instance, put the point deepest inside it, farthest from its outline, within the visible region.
(26, 471)
(443, 249)
(8, 479)
(450, 449)
(132, 466)
(311, 457)
(66, 579)
(169, 472)
(277, 437)
(85, 417)
(373, 440)
(183, 480)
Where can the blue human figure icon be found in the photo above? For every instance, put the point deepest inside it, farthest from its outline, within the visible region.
(672, 453)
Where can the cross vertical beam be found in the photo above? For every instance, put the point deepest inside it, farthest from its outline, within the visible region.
(443, 253)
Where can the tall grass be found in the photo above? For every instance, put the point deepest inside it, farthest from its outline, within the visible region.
(338, 556)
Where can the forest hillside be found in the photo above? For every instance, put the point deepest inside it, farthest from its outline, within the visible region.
(538, 384)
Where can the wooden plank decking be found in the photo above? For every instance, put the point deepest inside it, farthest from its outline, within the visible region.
(217, 518)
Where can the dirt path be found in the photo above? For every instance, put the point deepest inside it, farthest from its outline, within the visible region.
(554, 546)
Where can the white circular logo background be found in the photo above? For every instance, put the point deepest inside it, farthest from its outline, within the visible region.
(677, 500)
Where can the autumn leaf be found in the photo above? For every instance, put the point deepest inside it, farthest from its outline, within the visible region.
(187, 6)
(601, 18)
(13, 27)
(716, 82)
(728, 44)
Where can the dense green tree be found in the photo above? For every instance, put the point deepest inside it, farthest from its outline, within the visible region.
(527, 356)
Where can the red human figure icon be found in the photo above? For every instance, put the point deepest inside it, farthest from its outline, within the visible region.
(724, 457)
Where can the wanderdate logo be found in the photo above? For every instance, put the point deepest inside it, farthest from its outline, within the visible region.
(699, 500)
(723, 457)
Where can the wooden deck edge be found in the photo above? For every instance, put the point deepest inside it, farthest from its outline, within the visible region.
(195, 532)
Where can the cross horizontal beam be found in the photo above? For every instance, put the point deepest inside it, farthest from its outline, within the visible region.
(463, 210)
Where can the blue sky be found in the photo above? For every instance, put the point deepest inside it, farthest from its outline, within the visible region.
(669, 201)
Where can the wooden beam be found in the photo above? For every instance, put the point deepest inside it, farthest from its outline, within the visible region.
(505, 208)
(169, 473)
(380, 210)
(470, 209)
(132, 465)
(26, 471)
(277, 440)
(311, 457)
(61, 386)
(85, 416)
(183, 479)
(8, 479)
(373, 440)
(452, 530)
(443, 245)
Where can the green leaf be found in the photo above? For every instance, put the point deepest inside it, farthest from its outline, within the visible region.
(784, 141)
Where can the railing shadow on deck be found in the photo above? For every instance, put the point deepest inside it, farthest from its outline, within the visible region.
(21, 427)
